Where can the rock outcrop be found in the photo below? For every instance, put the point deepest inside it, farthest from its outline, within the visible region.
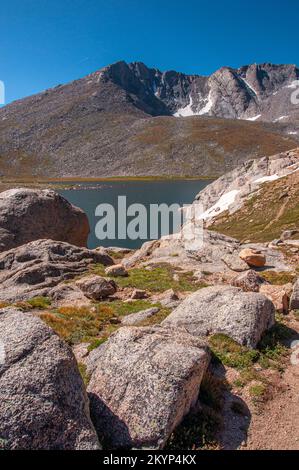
(279, 295)
(31, 214)
(144, 381)
(243, 316)
(65, 295)
(34, 269)
(117, 270)
(96, 287)
(250, 281)
(43, 403)
(135, 318)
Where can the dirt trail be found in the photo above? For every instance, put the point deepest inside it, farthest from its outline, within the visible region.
(274, 425)
(278, 215)
(277, 427)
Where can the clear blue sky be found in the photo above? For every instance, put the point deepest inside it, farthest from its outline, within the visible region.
(47, 42)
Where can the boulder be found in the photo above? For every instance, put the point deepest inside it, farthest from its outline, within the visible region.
(43, 403)
(279, 295)
(65, 295)
(252, 257)
(31, 214)
(138, 294)
(250, 281)
(235, 263)
(96, 287)
(116, 270)
(35, 268)
(243, 316)
(287, 234)
(168, 299)
(144, 381)
(294, 301)
(138, 317)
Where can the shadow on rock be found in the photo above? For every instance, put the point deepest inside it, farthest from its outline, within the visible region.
(107, 423)
(236, 417)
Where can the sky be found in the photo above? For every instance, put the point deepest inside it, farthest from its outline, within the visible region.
(44, 43)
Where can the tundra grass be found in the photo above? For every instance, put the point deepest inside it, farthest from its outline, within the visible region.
(93, 324)
(159, 278)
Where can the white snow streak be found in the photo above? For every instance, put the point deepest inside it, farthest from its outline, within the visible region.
(263, 179)
(280, 118)
(249, 86)
(254, 118)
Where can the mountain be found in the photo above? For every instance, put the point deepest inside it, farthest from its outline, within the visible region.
(128, 119)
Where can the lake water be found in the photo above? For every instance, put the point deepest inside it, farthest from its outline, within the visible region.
(142, 192)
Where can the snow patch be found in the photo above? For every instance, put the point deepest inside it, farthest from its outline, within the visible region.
(293, 132)
(254, 118)
(263, 179)
(221, 205)
(280, 118)
(186, 111)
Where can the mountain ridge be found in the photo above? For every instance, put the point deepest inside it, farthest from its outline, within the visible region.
(124, 120)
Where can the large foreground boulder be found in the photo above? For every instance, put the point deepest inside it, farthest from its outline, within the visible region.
(43, 403)
(34, 269)
(244, 316)
(31, 214)
(144, 381)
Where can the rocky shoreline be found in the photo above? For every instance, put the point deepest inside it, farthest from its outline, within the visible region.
(161, 348)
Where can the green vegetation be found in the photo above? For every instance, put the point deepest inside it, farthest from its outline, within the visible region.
(94, 324)
(230, 353)
(271, 353)
(258, 390)
(96, 343)
(159, 279)
(279, 278)
(39, 302)
(83, 372)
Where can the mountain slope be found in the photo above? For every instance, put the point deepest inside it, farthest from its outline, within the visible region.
(269, 208)
(119, 121)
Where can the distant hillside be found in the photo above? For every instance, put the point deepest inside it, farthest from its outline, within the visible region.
(121, 121)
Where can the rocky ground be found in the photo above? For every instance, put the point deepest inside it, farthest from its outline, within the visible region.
(164, 347)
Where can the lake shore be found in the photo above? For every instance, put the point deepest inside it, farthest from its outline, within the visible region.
(69, 183)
